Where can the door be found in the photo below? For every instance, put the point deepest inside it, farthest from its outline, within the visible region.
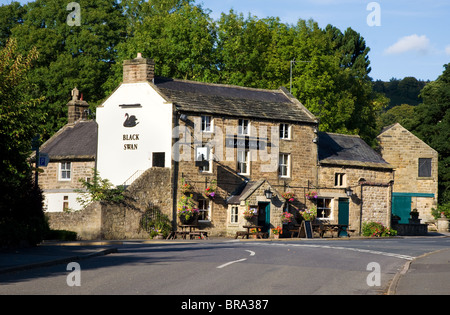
(401, 206)
(264, 216)
(343, 216)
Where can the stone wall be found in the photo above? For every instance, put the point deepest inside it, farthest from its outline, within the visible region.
(402, 149)
(49, 178)
(100, 220)
(303, 165)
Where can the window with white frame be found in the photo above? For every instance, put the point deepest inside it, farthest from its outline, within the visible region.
(206, 124)
(285, 131)
(65, 170)
(243, 161)
(203, 158)
(243, 127)
(284, 165)
(234, 214)
(204, 210)
(324, 208)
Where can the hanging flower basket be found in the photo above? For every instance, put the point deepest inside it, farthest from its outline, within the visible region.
(210, 191)
(249, 213)
(287, 217)
(185, 187)
(289, 196)
(309, 215)
(187, 211)
(311, 195)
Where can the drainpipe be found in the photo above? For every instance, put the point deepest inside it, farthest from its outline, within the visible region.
(361, 184)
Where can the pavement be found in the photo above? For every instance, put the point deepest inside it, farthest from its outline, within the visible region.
(428, 274)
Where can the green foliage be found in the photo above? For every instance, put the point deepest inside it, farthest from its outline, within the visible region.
(431, 122)
(69, 56)
(21, 214)
(441, 209)
(156, 223)
(374, 229)
(99, 190)
(404, 91)
(61, 235)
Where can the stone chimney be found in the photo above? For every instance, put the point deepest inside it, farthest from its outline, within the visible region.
(77, 108)
(138, 70)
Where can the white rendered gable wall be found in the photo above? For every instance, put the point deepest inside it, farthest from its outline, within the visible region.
(123, 151)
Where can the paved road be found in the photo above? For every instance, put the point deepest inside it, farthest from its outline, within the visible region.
(238, 268)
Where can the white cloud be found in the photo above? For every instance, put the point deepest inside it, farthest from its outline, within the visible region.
(447, 50)
(410, 43)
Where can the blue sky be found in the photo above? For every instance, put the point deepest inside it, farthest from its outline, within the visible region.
(412, 38)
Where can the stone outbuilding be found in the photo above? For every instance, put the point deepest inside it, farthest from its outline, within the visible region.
(416, 172)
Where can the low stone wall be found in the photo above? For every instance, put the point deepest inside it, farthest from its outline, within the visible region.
(101, 220)
(411, 229)
(87, 222)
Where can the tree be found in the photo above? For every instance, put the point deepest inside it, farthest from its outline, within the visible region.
(178, 35)
(431, 123)
(69, 56)
(21, 215)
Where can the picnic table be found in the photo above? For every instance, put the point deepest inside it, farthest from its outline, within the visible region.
(247, 233)
(321, 228)
(190, 230)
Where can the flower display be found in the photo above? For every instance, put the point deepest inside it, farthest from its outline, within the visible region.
(185, 187)
(311, 195)
(210, 191)
(289, 196)
(287, 217)
(187, 209)
(309, 215)
(249, 213)
(277, 231)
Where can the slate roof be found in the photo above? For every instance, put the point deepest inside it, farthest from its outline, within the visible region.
(338, 149)
(76, 141)
(229, 100)
(246, 189)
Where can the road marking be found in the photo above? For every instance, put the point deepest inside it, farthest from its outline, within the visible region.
(252, 253)
(231, 262)
(406, 257)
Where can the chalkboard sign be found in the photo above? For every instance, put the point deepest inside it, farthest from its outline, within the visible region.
(306, 229)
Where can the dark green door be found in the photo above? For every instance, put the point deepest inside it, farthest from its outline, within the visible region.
(401, 206)
(343, 217)
(264, 216)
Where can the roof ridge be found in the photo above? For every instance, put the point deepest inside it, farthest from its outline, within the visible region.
(225, 85)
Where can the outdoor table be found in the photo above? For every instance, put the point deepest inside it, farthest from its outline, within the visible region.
(332, 227)
(194, 230)
(249, 227)
(321, 228)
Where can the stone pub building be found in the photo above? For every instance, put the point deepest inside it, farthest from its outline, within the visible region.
(242, 143)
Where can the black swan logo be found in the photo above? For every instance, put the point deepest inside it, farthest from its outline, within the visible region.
(130, 122)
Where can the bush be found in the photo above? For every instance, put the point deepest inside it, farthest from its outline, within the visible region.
(374, 229)
(444, 208)
(154, 222)
(61, 235)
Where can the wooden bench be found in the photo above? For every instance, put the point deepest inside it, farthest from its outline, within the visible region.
(242, 233)
(262, 235)
(174, 234)
(199, 233)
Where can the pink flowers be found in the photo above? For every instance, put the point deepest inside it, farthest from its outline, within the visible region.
(311, 195)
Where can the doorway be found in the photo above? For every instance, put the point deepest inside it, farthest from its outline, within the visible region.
(264, 216)
(343, 216)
